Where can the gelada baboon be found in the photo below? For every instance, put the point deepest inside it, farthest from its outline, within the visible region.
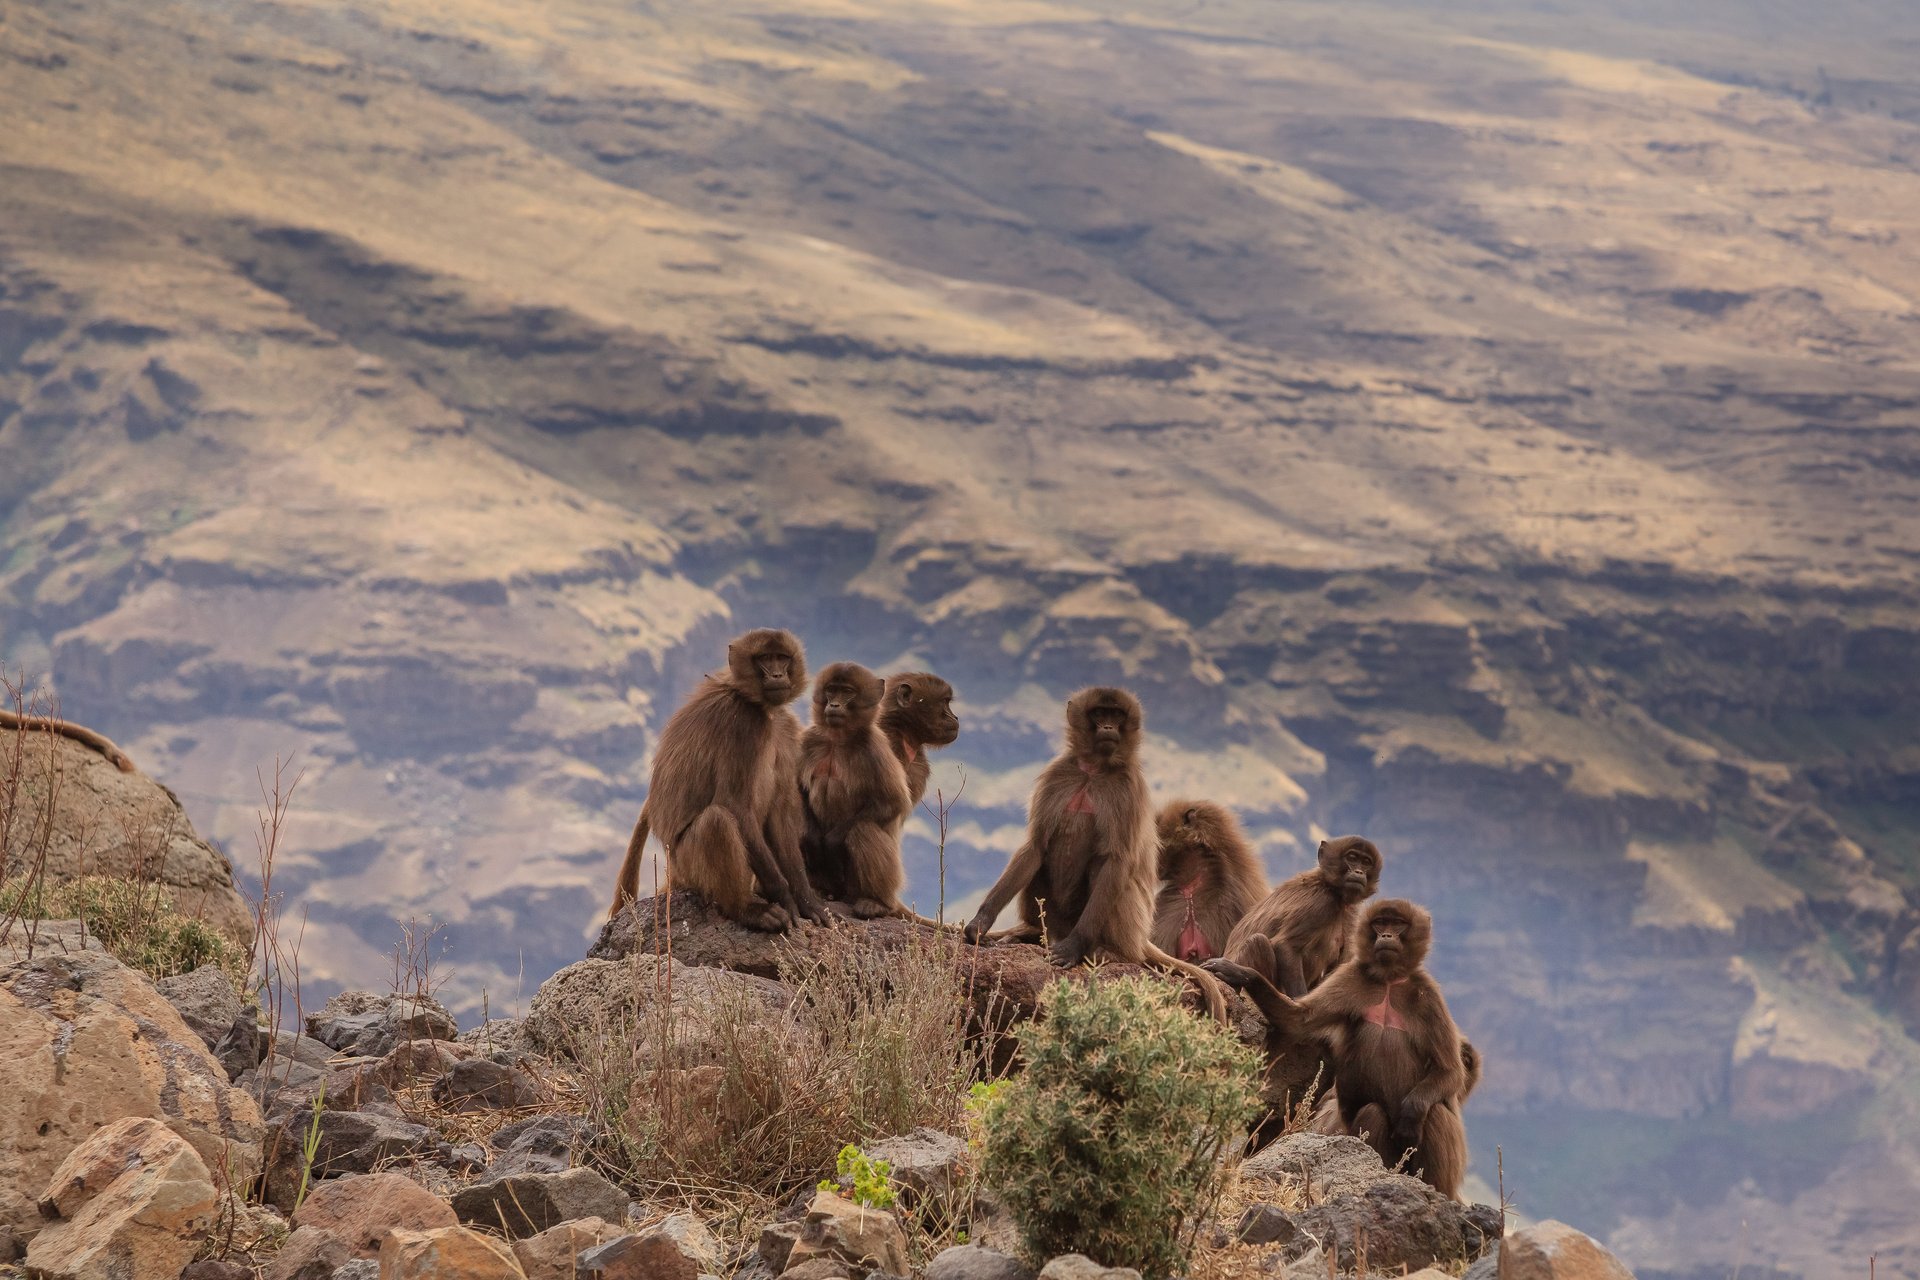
(855, 790)
(725, 794)
(918, 715)
(1211, 878)
(1399, 1072)
(1086, 871)
(68, 729)
(1299, 933)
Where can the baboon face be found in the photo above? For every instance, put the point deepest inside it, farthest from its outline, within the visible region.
(1395, 935)
(1103, 723)
(923, 705)
(1350, 865)
(846, 696)
(767, 664)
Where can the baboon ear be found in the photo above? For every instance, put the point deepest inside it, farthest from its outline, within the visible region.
(1323, 848)
(1191, 815)
(905, 694)
(730, 649)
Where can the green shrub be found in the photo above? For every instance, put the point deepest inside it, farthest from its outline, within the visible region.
(136, 921)
(1109, 1143)
(872, 1179)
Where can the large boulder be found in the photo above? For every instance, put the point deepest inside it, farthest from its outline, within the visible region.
(360, 1209)
(86, 1041)
(1005, 979)
(1555, 1251)
(109, 823)
(634, 997)
(446, 1253)
(871, 1239)
(133, 1200)
(345, 1142)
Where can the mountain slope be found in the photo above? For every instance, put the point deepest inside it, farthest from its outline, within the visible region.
(1458, 426)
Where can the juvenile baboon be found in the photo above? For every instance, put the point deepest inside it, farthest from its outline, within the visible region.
(918, 715)
(68, 729)
(1299, 933)
(1211, 878)
(855, 790)
(1086, 870)
(1400, 1074)
(725, 794)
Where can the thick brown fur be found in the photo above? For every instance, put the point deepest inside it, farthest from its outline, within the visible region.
(725, 796)
(1299, 933)
(917, 715)
(68, 729)
(856, 796)
(1211, 877)
(1400, 1088)
(1085, 873)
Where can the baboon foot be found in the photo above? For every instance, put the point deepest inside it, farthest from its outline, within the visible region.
(869, 908)
(766, 917)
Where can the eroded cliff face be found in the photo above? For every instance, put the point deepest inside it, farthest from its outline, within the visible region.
(1457, 429)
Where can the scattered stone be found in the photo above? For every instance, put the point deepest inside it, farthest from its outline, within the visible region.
(134, 1199)
(524, 1204)
(972, 1262)
(366, 1025)
(1488, 1268)
(481, 1084)
(839, 1228)
(1077, 1266)
(1555, 1251)
(539, 1144)
(310, 1254)
(241, 1046)
(216, 1269)
(498, 1038)
(349, 1142)
(358, 1269)
(927, 1163)
(637, 1257)
(467, 1158)
(205, 1000)
(819, 1269)
(1323, 1166)
(361, 1209)
(690, 1236)
(1264, 1224)
(89, 1042)
(413, 1060)
(448, 1253)
(553, 1254)
(776, 1244)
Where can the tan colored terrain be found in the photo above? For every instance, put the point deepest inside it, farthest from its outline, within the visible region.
(1497, 432)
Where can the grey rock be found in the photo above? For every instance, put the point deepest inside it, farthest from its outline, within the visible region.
(467, 1157)
(539, 1144)
(1403, 1222)
(690, 1236)
(524, 1204)
(1320, 1165)
(822, 1269)
(927, 1162)
(358, 1269)
(215, 1269)
(972, 1262)
(1264, 1224)
(205, 1000)
(480, 1084)
(498, 1038)
(776, 1243)
(1077, 1266)
(241, 1045)
(1488, 1268)
(349, 1142)
(365, 1025)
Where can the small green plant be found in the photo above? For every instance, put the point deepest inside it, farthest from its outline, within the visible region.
(310, 1146)
(872, 1179)
(135, 920)
(1110, 1143)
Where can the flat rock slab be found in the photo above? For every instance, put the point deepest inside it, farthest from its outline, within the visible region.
(525, 1204)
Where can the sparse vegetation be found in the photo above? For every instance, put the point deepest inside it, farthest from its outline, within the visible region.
(1111, 1142)
(134, 920)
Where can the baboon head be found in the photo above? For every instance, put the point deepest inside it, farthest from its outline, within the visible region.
(1393, 936)
(1193, 834)
(920, 707)
(767, 665)
(1351, 867)
(1104, 725)
(846, 697)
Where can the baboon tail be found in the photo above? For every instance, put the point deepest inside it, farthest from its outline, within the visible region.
(1209, 985)
(627, 887)
(68, 729)
(908, 913)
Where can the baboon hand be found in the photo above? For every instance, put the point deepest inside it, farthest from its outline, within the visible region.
(1069, 951)
(977, 928)
(1408, 1121)
(1239, 977)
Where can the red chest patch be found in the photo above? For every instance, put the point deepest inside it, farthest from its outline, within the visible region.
(1082, 800)
(1384, 1014)
(1192, 945)
(825, 769)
